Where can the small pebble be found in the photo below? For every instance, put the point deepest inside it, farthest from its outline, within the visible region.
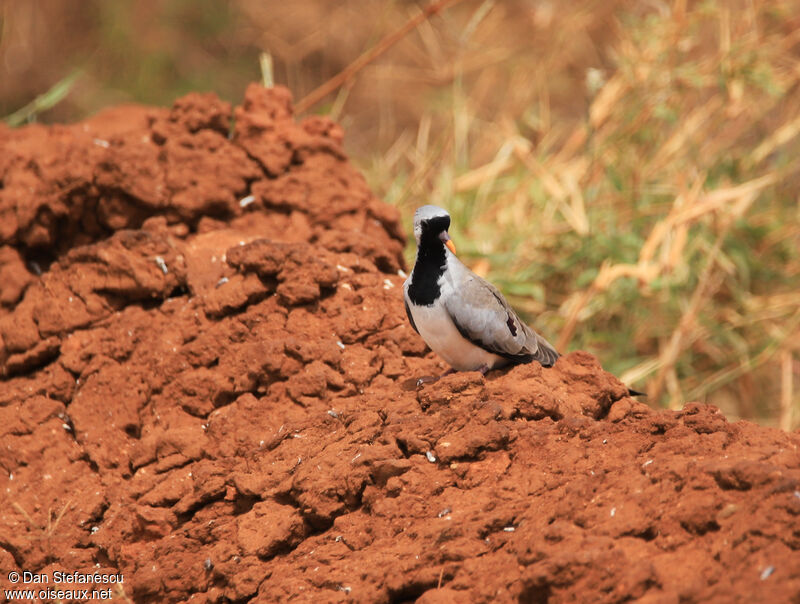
(161, 264)
(35, 268)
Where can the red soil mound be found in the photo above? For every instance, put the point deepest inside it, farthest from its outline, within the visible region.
(206, 387)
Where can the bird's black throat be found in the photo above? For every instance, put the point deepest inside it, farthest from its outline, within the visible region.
(430, 264)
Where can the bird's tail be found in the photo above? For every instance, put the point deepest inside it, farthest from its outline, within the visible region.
(547, 355)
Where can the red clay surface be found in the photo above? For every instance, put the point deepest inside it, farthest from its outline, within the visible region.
(208, 387)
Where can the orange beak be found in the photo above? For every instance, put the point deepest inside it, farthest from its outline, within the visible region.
(450, 245)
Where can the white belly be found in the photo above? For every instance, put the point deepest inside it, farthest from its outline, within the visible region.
(440, 333)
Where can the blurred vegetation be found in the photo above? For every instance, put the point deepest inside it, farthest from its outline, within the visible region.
(626, 172)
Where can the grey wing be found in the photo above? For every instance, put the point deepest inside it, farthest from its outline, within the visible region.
(482, 316)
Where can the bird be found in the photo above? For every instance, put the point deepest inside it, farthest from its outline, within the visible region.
(460, 316)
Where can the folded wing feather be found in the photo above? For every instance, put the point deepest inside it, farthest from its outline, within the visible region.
(482, 316)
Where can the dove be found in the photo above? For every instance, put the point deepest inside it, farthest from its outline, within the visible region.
(462, 317)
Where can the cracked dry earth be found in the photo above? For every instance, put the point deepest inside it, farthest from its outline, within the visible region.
(207, 386)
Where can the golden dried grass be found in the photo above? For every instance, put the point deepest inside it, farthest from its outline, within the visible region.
(657, 224)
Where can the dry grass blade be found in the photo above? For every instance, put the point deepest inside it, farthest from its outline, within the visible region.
(780, 137)
(747, 365)
(316, 95)
(640, 206)
(265, 62)
(702, 294)
(45, 101)
(27, 517)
